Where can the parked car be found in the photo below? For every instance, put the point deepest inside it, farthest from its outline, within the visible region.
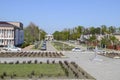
(12, 48)
(43, 47)
(98, 50)
(76, 49)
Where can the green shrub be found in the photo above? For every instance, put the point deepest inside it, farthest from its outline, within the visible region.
(35, 61)
(33, 73)
(2, 77)
(4, 74)
(40, 62)
(29, 62)
(24, 62)
(48, 62)
(17, 62)
(25, 44)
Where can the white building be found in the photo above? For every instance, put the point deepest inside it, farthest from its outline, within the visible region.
(49, 37)
(117, 35)
(11, 33)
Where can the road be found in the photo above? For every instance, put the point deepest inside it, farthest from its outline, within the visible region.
(50, 46)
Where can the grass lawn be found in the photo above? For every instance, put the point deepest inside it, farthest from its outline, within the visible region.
(60, 46)
(23, 70)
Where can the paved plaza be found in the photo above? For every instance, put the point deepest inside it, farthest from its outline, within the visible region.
(101, 68)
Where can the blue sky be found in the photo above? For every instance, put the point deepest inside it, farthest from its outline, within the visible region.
(52, 15)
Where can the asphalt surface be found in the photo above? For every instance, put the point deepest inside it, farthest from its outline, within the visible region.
(50, 47)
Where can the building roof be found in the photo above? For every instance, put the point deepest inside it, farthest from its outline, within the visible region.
(49, 35)
(117, 33)
(5, 24)
(11, 24)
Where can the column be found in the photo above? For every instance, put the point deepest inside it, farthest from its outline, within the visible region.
(7, 33)
(0, 33)
(12, 33)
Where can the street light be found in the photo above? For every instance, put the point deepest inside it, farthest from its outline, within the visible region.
(96, 58)
(39, 35)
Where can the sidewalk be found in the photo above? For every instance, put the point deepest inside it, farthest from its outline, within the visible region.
(28, 47)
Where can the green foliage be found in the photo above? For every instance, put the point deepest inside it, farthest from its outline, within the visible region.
(92, 30)
(75, 33)
(61, 46)
(25, 44)
(105, 41)
(32, 33)
(112, 29)
(69, 34)
(109, 40)
(92, 38)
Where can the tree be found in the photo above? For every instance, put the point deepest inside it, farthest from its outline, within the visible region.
(104, 29)
(92, 30)
(109, 40)
(112, 29)
(92, 39)
(42, 34)
(105, 42)
(113, 40)
(98, 30)
(56, 35)
(62, 35)
(32, 32)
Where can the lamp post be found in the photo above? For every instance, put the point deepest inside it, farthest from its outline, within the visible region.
(63, 46)
(39, 35)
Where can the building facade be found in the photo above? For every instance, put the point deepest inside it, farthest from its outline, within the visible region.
(49, 37)
(117, 35)
(11, 33)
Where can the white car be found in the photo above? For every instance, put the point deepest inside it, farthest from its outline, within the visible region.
(99, 50)
(76, 49)
(12, 48)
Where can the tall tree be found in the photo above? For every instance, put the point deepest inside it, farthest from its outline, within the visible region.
(56, 35)
(92, 30)
(104, 29)
(112, 29)
(32, 32)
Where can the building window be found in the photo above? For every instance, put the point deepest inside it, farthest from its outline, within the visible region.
(0, 41)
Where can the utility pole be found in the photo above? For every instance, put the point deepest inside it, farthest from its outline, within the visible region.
(100, 37)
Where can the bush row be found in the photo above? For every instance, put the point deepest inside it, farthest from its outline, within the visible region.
(32, 74)
(29, 62)
(31, 54)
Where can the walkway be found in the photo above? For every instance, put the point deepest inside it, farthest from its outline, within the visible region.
(28, 48)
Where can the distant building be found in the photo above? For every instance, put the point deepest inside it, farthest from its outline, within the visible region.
(11, 33)
(85, 38)
(49, 37)
(117, 35)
